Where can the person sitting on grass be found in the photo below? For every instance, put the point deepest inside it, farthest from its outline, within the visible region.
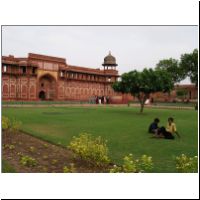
(153, 128)
(169, 131)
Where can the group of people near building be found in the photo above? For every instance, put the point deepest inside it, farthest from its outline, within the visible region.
(99, 100)
(167, 132)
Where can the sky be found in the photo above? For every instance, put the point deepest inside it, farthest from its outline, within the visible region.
(134, 47)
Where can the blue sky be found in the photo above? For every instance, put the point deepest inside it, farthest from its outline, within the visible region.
(135, 47)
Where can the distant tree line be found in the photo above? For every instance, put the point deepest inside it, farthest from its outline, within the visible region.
(179, 70)
(166, 74)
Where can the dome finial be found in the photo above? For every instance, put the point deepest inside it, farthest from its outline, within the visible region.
(109, 60)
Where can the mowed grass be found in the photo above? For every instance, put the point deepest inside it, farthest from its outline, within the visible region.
(124, 128)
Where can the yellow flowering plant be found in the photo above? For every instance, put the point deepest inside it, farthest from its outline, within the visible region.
(131, 165)
(187, 164)
(93, 150)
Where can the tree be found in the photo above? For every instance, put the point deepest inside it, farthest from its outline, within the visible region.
(142, 84)
(172, 67)
(189, 64)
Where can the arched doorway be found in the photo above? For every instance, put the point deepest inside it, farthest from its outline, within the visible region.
(47, 88)
(42, 95)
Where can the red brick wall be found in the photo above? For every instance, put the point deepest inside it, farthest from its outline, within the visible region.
(18, 88)
(78, 90)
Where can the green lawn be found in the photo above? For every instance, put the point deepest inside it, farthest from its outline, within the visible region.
(123, 127)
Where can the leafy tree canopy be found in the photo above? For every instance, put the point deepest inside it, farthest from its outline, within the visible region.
(142, 84)
(189, 64)
(172, 67)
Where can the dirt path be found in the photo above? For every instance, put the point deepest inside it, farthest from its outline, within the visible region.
(49, 157)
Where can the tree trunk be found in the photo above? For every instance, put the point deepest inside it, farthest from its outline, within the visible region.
(142, 100)
(142, 107)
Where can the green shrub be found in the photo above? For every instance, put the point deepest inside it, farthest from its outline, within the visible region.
(70, 169)
(28, 161)
(116, 169)
(20, 154)
(130, 165)
(45, 145)
(12, 125)
(66, 169)
(9, 146)
(54, 161)
(5, 123)
(187, 164)
(146, 163)
(15, 125)
(32, 149)
(92, 150)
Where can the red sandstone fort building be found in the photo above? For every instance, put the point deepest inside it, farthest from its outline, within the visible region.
(40, 77)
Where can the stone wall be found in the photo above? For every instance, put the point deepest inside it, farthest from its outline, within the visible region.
(19, 88)
(78, 90)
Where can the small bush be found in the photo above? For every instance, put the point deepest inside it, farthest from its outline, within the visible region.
(66, 169)
(11, 125)
(187, 164)
(130, 165)
(70, 169)
(146, 163)
(15, 125)
(5, 123)
(32, 149)
(9, 146)
(92, 150)
(28, 161)
(54, 161)
(116, 169)
(45, 145)
(20, 154)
